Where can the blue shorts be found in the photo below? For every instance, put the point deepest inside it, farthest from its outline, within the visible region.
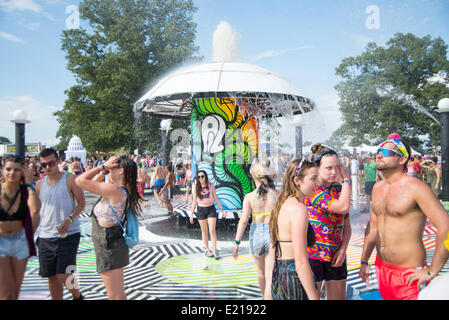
(259, 239)
(159, 184)
(14, 245)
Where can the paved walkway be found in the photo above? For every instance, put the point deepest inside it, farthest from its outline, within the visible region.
(167, 266)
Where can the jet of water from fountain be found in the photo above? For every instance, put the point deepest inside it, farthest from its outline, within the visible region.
(226, 45)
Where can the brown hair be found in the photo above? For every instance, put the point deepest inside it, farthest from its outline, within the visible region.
(198, 186)
(16, 159)
(319, 151)
(288, 190)
(130, 177)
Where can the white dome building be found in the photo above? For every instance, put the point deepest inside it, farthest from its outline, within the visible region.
(75, 149)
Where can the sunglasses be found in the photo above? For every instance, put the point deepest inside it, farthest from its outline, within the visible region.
(386, 152)
(12, 158)
(50, 164)
(201, 176)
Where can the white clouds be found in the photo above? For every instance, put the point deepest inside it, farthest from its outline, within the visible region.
(276, 53)
(10, 37)
(20, 5)
(24, 5)
(43, 124)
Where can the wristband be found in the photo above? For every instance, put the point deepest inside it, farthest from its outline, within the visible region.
(104, 171)
(237, 242)
(70, 219)
(364, 263)
(31, 186)
(347, 181)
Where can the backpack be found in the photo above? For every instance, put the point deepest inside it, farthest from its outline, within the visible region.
(131, 230)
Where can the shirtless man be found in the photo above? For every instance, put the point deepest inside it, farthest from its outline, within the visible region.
(401, 205)
(159, 181)
(141, 182)
(168, 188)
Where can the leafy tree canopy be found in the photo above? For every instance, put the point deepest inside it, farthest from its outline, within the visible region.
(394, 88)
(4, 140)
(126, 47)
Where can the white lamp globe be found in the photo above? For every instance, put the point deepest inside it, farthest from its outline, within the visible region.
(19, 116)
(443, 105)
(298, 121)
(165, 124)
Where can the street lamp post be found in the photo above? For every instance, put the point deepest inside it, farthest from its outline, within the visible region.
(443, 108)
(20, 119)
(165, 127)
(298, 122)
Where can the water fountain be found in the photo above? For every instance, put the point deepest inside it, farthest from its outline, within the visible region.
(229, 103)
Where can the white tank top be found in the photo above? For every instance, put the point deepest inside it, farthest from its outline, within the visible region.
(57, 205)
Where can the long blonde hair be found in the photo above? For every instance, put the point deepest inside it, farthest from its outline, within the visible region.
(296, 168)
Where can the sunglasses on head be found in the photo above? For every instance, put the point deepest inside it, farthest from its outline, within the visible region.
(386, 152)
(17, 159)
(50, 164)
(301, 164)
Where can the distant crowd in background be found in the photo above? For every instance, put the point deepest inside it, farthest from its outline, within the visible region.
(425, 168)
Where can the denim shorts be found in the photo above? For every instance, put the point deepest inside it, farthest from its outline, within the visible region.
(14, 245)
(259, 239)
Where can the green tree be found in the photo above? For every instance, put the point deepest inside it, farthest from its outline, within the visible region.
(126, 47)
(393, 89)
(4, 140)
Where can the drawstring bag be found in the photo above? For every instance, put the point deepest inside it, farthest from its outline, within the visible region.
(131, 230)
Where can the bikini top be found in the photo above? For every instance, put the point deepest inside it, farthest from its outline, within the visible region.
(263, 214)
(311, 239)
(19, 215)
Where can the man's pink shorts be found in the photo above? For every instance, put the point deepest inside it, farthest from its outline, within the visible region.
(393, 282)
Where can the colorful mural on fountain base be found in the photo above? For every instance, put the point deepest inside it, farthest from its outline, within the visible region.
(224, 143)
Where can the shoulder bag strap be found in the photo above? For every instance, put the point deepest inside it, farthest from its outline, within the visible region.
(121, 226)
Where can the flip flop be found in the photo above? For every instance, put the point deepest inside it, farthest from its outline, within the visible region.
(217, 257)
(208, 254)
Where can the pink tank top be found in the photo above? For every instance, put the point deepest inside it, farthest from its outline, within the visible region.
(206, 193)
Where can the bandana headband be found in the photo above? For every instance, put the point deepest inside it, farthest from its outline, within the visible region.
(300, 165)
(398, 143)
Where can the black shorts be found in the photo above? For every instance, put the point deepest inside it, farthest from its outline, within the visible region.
(322, 270)
(369, 187)
(203, 213)
(57, 255)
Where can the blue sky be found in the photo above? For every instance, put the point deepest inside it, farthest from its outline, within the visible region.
(302, 41)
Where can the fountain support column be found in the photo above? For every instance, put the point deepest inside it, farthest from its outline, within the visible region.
(298, 123)
(20, 119)
(443, 108)
(355, 181)
(165, 127)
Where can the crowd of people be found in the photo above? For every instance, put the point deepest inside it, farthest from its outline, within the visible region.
(299, 234)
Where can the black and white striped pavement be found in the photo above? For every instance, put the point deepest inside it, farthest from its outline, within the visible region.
(356, 287)
(183, 210)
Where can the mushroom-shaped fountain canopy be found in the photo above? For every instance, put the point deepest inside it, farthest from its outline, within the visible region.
(172, 95)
